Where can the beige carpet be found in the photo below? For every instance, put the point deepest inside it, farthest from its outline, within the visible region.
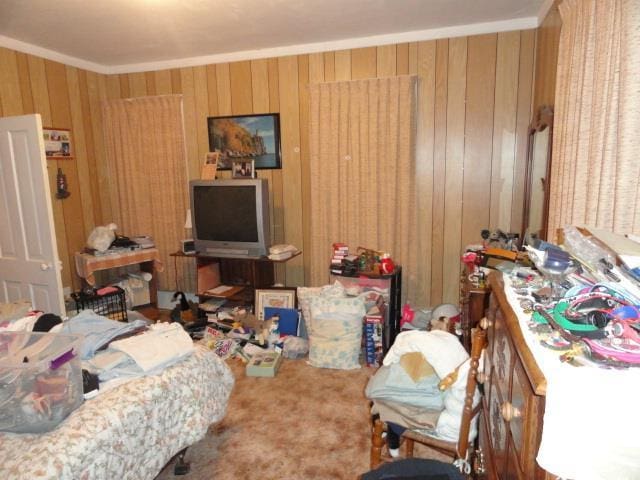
(306, 423)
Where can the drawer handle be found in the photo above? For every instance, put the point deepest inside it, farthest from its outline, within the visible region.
(509, 412)
(485, 323)
(481, 377)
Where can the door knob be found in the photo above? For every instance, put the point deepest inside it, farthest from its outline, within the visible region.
(45, 266)
(509, 412)
(485, 323)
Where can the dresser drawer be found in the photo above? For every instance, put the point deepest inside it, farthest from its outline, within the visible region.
(503, 356)
(485, 463)
(497, 428)
(525, 427)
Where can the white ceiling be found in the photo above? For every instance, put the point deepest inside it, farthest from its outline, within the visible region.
(135, 35)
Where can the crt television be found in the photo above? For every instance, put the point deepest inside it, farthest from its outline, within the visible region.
(230, 218)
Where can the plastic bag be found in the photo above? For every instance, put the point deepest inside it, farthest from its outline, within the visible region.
(102, 237)
(295, 347)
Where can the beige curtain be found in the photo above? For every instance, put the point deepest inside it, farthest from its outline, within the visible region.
(145, 150)
(362, 142)
(595, 165)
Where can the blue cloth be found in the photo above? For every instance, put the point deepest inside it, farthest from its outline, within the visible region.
(96, 330)
(392, 383)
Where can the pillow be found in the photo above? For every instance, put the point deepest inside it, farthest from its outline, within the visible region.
(335, 333)
(305, 294)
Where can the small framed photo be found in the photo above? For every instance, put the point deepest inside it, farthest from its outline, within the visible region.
(278, 298)
(243, 169)
(57, 142)
(210, 166)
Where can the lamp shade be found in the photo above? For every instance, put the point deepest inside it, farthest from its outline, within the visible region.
(187, 221)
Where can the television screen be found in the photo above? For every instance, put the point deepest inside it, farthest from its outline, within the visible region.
(230, 217)
(226, 213)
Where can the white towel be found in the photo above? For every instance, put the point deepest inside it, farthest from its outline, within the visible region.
(160, 346)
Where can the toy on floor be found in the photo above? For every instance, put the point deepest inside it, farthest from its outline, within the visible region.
(184, 311)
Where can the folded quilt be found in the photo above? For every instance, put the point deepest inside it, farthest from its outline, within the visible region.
(408, 416)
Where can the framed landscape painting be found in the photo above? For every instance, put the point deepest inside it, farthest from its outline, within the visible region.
(245, 138)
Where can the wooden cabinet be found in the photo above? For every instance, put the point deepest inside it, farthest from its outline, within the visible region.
(514, 397)
(474, 300)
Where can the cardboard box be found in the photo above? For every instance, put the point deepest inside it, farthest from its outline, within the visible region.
(264, 364)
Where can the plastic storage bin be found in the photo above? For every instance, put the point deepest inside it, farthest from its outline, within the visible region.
(40, 380)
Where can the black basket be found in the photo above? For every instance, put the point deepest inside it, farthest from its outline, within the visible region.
(112, 305)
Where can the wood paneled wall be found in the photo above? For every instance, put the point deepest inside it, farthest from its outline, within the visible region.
(474, 108)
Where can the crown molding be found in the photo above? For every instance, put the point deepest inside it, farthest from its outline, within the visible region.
(544, 10)
(31, 49)
(346, 44)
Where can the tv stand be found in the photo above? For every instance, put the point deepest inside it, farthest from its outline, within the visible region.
(250, 273)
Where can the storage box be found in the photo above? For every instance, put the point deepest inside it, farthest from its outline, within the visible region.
(41, 379)
(264, 364)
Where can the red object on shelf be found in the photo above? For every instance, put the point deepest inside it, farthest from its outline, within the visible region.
(386, 265)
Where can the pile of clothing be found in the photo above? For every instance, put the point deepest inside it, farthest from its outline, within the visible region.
(119, 351)
(111, 350)
(409, 391)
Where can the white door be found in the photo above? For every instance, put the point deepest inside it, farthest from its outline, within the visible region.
(29, 264)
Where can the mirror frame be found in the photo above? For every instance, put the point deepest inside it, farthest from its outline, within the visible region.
(543, 120)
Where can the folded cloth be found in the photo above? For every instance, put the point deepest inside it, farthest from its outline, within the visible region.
(97, 331)
(408, 416)
(160, 346)
(393, 384)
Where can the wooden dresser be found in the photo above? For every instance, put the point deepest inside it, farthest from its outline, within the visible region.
(513, 404)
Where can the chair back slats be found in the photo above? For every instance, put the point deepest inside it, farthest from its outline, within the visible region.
(478, 341)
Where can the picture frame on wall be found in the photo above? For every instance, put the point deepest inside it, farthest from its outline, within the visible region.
(277, 298)
(57, 143)
(243, 169)
(246, 137)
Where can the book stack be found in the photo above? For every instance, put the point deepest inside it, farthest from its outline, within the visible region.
(373, 326)
(340, 251)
